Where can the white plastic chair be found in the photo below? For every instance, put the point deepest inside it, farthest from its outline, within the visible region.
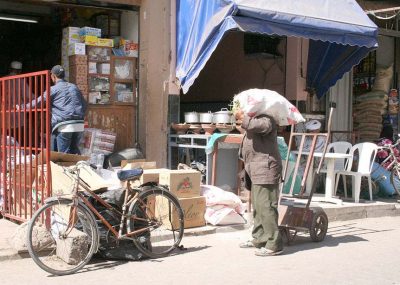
(366, 156)
(338, 147)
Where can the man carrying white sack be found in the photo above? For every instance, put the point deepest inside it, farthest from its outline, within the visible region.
(261, 111)
(263, 166)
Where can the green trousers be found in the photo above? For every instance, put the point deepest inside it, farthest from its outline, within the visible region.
(264, 199)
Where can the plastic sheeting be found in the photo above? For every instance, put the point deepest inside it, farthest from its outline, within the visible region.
(341, 33)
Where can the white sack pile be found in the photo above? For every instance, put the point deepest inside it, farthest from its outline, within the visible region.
(222, 207)
(255, 102)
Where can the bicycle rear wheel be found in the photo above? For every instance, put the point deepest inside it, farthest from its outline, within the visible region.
(61, 237)
(395, 179)
(159, 216)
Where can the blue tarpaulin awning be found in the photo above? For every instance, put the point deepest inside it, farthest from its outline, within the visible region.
(340, 33)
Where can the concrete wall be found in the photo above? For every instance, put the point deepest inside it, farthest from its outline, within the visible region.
(229, 71)
(130, 25)
(154, 70)
(296, 68)
(385, 52)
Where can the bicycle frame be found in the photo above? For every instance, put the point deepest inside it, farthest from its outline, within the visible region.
(391, 156)
(128, 200)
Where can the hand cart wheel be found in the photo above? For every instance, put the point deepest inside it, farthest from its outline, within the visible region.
(319, 225)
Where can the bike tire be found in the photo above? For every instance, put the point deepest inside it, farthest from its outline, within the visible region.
(159, 211)
(395, 179)
(49, 242)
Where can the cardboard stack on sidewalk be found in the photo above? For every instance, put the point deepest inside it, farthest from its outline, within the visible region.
(184, 184)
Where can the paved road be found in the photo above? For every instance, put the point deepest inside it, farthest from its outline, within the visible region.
(354, 252)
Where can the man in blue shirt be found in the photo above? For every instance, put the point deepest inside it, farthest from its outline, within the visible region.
(68, 108)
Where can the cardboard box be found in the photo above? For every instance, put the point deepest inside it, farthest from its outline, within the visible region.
(131, 49)
(136, 163)
(92, 67)
(80, 70)
(90, 31)
(193, 211)
(89, 40)
(71, 35)
(76, 48)
(23, 186)
(125, 96)
(78, 80)
(104, 68)
(78, 60)
(183, 183)
(31, 183)
(151, 175)
(105, 42)
(62, 181)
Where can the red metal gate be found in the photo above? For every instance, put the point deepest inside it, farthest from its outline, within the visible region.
(25, 144)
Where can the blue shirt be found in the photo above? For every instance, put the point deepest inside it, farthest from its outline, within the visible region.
(67, 102)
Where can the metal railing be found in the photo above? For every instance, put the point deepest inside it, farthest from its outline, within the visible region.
(24, 145)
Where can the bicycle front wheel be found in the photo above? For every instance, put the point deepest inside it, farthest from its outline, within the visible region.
(395, 179)
(158, 218)
(62, 237)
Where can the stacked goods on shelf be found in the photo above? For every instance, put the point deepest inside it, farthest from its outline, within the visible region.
(70, 39)
(129, 47)
(78, 73)
(97, 141)
(92, 37)
(185, 184)
(369, 107)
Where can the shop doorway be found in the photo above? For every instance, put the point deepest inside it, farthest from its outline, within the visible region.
(36, 38)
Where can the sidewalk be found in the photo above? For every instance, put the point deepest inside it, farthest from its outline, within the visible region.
(344, 212)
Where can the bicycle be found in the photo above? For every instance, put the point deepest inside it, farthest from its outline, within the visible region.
(63, 234)
(391, 163)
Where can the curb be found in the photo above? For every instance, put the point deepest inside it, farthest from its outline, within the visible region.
(343, 213)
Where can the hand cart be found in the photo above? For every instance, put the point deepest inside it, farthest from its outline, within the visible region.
(294, 218)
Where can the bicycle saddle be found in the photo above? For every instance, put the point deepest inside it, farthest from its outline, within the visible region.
(130, 174)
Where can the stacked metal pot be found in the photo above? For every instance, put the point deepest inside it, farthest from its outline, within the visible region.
(221, 117)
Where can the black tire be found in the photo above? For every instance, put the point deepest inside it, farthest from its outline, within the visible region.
(395, 179)
(158, 211)
(53, 237)
(319, 225)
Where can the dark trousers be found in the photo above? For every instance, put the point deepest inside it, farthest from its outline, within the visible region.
(265, 232)
(67, 142)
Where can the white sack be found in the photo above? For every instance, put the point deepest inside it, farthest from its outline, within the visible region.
(255, 102)
(217, 196)
(223, 216)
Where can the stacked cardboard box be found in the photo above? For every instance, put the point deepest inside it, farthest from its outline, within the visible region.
(79, 73)
(185, 184)
(69, 44)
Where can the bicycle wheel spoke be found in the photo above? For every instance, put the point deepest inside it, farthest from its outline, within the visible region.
(62, 238)
(159, 212)
(395, 179)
